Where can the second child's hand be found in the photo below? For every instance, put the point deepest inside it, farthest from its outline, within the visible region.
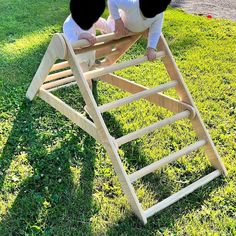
(151, 54)
(120, 29)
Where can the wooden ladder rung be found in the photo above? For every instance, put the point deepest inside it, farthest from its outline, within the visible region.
(100, 39)
(137, 96)
(165, 160)
(101, 45)
(58, 83)
(151, 128)
(59, 66)
(59, 75)
(109, 69)
(62, 86)
(182, 193)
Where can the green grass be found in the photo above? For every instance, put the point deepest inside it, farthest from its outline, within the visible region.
(56, 180)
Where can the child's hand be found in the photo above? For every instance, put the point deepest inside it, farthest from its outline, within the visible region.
(92, 39)
(120, 29)
(151, 54)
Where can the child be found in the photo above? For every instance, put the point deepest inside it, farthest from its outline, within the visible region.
(138, 16)
(82, 24)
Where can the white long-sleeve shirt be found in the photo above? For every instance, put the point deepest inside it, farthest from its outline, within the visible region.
(72, 31)
(130, 13)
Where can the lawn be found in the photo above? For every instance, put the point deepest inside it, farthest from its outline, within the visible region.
(56, 180)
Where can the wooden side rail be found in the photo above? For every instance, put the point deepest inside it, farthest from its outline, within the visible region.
(109, 69)
(182, 193)
(59, 75)
(62, 86)
(139, 133)
(137, 96)
(165, 160)
(69, 112)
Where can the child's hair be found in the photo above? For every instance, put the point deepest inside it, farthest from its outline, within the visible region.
(150, 8)
(86, 12)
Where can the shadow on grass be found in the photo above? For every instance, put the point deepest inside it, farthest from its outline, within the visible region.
(50, 200)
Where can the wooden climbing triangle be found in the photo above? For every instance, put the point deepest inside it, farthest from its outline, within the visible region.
(51, 75)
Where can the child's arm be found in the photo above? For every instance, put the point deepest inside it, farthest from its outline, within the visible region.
(120, 29)
(89, 37)
(73, 32)
(103, 26)
(153, 37)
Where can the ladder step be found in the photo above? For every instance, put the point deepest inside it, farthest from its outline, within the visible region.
(165, 160)
(58, 83)
(146, 130)
(59, 75)
(59, 66)
(182, 193)
(137, 96)
(109, 69)
(101, 38)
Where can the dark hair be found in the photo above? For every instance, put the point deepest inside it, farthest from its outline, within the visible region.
(150, 8)
(86, 12)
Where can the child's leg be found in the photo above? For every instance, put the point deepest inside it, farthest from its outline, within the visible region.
(105, 26)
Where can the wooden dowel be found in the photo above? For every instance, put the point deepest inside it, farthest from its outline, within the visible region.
(69, 112)
(62, 86)
(57, 49)
(182, 193)
(137, 96)
(120, 66)
(59, 75)
(159, 99)
(139, 133)
(166, 160)
(100, 39)
(58, 82)
(59, 66)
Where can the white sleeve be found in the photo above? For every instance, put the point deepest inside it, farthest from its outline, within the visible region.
(155, 32)
(70, 30)
(70, 34)
(114, 9)
(103, 26)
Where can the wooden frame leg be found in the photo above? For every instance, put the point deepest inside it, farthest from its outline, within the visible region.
(186, 97)
(56, 50)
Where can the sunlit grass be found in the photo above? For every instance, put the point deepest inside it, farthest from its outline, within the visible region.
(27, 43)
